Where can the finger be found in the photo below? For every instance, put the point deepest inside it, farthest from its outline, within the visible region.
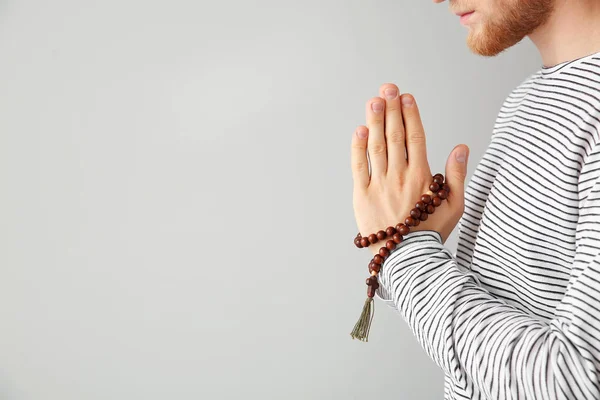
(394, 129)
(376, 146)
(456, 174)
(415, 133)
(359, 161)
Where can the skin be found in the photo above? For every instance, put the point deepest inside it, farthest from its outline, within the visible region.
(395, 141)
(386, 196)
(500, 24)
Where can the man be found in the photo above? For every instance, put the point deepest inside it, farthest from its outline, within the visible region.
(515, 311)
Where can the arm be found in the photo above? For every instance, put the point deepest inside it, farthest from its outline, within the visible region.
(474, 336)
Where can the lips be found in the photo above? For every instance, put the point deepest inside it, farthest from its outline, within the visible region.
(460, 14)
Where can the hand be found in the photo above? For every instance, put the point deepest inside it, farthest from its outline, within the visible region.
(400, 172)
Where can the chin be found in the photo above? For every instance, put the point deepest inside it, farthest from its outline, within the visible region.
(482, 42)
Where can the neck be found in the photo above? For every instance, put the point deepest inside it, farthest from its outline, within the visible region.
(573, 31)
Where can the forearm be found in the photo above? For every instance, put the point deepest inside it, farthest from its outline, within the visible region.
(474, 336)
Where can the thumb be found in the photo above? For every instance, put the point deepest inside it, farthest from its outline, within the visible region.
(456, 173)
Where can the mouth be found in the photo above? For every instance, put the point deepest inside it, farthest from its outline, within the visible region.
(461, 13)
(466, 17)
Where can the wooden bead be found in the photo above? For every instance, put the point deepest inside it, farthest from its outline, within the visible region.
(438, 191)
(402, 229)
(415, 213)
(374, 267)
(374, 280)
(371, 291)
(397, 238)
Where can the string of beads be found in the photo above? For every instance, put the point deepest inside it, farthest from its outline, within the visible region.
(438, 191)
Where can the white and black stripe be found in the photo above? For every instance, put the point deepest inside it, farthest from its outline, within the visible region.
(514, 313)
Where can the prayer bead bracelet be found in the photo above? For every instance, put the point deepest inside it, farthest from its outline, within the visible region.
(438, 191)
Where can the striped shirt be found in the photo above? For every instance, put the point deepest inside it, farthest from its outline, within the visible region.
(514, 312)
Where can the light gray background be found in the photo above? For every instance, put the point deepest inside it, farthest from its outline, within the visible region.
(176, 213)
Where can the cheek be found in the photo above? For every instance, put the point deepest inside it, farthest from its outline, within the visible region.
(501, 9)
(494, 8)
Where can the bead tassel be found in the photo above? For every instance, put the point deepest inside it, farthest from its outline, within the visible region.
(438, 191)
(363, 325)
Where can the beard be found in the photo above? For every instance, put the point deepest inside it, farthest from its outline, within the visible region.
(508, 25)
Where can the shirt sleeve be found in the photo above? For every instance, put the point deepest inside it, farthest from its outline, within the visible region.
(485, 344)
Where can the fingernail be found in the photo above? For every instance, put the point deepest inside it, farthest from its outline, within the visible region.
(407, 101)
(461, 155)
(361, 133)
(377, 106)
(390, 93)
